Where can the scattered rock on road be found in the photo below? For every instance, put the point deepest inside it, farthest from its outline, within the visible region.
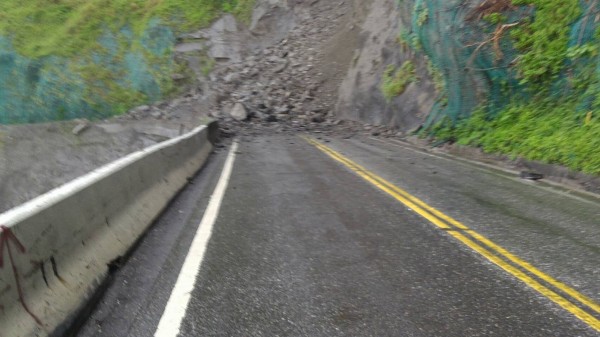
(80, 128)
(239, 112)
(528, 175)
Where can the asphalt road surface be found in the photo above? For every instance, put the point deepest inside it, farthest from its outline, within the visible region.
(334, 237)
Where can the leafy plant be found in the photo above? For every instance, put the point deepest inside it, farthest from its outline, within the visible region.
(586, 50)
(543, 40)
(423, 16)
(555, 121)
(539, 130)
(395, 81)
(495, 18)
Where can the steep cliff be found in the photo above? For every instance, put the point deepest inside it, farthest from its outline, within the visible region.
(519, 77)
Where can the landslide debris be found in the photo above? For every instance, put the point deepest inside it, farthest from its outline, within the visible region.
(280, 80)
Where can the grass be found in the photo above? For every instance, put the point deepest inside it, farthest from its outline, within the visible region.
(118, 52)
(541, 130)
(543, 40)
(395, 81)
(557, 120)
(40, 28)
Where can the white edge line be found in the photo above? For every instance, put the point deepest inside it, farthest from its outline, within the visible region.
(546, 185)
(176, 307)
(50, 198)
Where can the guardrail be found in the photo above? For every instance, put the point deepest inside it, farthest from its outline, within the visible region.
(55, 250)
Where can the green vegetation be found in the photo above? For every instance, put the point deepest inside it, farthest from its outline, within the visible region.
(423, 16)
(540, 59)
(544, 41)
(207, 64)
(409, 40)
(395, 81)
(40, 28)
(95, 58)
(438, 78)
(495, 18)
(242, 9)
(539, 131)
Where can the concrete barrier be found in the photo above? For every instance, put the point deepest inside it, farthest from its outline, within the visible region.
(56, 249)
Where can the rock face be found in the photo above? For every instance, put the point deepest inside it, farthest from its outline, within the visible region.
(229, 40)
(225, 39)
(271, 21)
(360, 96)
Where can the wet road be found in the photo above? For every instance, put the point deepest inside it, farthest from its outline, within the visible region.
(364, 238)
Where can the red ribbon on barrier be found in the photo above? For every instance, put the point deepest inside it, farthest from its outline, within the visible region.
(6, 238)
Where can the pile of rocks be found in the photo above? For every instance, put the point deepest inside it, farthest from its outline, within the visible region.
(281, 87)
(272, 85)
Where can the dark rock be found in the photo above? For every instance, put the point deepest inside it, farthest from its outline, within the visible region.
(531, 175)
(270, 118)
(317, 119)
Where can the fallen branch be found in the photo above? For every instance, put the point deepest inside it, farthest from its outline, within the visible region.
(495, 40)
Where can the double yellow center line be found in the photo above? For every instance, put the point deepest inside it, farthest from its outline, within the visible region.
(568, 298)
